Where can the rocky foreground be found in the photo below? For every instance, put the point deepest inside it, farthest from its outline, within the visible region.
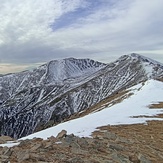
(122, 144)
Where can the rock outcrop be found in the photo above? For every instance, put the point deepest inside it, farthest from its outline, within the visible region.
(72, 149)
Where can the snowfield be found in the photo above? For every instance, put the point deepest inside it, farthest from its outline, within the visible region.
(151, 92)
(122, 113)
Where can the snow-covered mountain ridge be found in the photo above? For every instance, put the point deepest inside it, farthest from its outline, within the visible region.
(54, 72)
(132, 110)
(135, 109)
(33, 100)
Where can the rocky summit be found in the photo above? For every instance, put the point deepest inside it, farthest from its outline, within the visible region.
(33, 100)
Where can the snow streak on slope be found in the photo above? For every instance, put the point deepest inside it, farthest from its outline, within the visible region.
(122, 113)
(27, 98)
(37, 99)
(151, 66)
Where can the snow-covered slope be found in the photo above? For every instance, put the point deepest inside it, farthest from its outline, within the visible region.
(134, 109)
(33, 100)
(144, 94)
(151, 66)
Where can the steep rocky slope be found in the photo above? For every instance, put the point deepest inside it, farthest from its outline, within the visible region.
(24, 95)
(32, 100)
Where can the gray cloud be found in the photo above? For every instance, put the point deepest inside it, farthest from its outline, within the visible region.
(103, 30)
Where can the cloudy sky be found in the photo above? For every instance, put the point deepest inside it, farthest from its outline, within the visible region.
(37, 31)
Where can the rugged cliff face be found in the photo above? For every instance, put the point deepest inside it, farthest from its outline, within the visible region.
(33, 99)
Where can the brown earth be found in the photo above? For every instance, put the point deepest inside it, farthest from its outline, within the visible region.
(147, 138)
(156, 106)
(139, 143)
(110, 101)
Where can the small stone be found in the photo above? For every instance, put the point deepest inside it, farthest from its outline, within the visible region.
(37, 139)
(1, 150)
(82, 142)
(34, 156)
(109, 135)
(5, 159)
(97, 136)
(23, 155)
(35, 147)
(123, 140)
(24, 143)
(52, 139)
(61, 134)
(134, 158)
(4, 139)
(69, 139)
(4, 149)
(120, 158)
(48, 145)
(143, 159)
(8, 152)
(116, 147)
(76, 160)
(43, 162)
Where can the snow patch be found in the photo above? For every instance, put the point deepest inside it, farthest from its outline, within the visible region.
(122, 113)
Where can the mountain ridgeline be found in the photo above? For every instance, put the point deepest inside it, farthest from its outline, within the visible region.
(32, 100)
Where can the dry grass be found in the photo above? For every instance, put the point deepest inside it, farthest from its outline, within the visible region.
(145, 116)
(160, 79)
(147, 138)
(156, 106)
(111, 100)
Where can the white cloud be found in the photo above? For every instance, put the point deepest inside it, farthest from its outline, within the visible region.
(135, 28)
(26, 24)
(107, 31)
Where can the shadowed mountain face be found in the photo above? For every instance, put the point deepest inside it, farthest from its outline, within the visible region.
(31, 100)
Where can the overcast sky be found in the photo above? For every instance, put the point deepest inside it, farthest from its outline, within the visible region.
(37, 31)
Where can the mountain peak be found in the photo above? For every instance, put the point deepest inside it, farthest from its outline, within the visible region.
(59, 70)
(150, 67)
(135, 55)
(145, 59)
(32, 100)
